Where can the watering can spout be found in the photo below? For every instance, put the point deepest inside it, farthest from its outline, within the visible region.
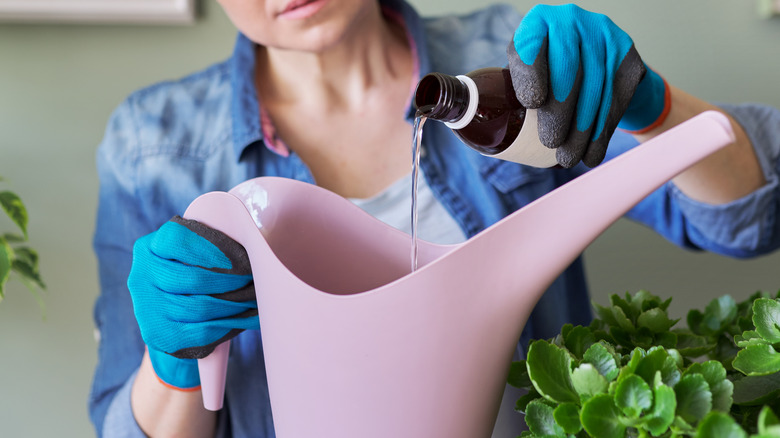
(575, 214)
(384, 352)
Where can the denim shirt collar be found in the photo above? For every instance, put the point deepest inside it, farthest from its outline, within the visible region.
(245, 107)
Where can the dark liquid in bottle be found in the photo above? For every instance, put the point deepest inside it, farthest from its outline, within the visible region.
(499, 116)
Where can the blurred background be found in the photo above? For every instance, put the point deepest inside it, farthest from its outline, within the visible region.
(59, 83)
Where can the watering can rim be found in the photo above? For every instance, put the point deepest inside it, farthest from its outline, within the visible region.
(445, 250)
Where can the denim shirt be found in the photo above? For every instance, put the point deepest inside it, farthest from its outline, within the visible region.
(167, 144)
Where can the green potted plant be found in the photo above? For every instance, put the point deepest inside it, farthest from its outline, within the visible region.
(631, 373)
(15, 256)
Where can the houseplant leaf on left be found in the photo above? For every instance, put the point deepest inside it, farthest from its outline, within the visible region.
(15, 256)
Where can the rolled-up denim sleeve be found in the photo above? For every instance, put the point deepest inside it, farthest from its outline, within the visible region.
(747, 226)
(118, 225)
(119, 421)
(743, 228)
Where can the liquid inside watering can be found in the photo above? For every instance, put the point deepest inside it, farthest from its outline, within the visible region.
(383, 352)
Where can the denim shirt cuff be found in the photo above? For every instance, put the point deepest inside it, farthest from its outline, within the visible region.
(120, 422)
(742, 225)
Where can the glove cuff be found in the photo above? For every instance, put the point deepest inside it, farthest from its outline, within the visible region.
(175, 373)
(649, 106)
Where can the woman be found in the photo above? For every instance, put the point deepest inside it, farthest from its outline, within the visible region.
(320, 91)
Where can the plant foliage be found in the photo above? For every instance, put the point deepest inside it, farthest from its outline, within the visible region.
(15, 256)
(632, 374)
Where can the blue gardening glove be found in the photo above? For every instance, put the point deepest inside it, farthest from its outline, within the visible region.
(583, 74)
(192, 289)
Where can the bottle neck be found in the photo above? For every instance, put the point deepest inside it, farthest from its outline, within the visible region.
(445, 98)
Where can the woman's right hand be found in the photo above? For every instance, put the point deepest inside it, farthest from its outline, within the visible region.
(192, 289)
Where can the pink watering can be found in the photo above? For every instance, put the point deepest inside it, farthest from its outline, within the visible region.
(357, 346)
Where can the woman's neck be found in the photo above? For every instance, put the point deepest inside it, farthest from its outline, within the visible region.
(371, 54)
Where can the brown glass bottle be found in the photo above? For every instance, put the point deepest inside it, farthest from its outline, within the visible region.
(490, 123)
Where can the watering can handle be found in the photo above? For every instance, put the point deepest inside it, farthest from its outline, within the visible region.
(213, 371)
(213, 368)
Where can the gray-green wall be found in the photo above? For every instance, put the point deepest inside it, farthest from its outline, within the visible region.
(58, 84)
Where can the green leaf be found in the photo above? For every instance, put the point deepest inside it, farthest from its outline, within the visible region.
(644, 338)
(615, 316)
(641, 301)
(665, 304)
(745, 323)
(644, 300)
(625, 306)
(681, 427)
(566, 329)
(725, 351)
(550, 370)
(602, 336)
(567, 415)
(722, 395)
(694, 321)
(694, 399)
(633, 396)
(656, 320)
(662, 415)
(28, 272)
(578, 339)
(623, 321)
(652, 361)
(622, 337)
(6, 259)
(13, 238)
(523, 401)
(658, 359)
(27, 255)
(601, 418)
(635, 358)
(719, 425)
(768, 423)
(756, 390)
(692, 345)
(675, 355)
(766, 317)
(757, 360)
(14, 208)
(518, 375)
(712, 371)
(720, 387)
(600, 357)
(604, 314)
(666, 339)
(750, 337)
(540, 420)
(588, 381)
(719, 313)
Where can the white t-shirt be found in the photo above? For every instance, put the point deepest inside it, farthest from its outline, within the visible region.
(393, 206)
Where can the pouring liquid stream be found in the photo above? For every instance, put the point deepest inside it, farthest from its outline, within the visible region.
(419, 121)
